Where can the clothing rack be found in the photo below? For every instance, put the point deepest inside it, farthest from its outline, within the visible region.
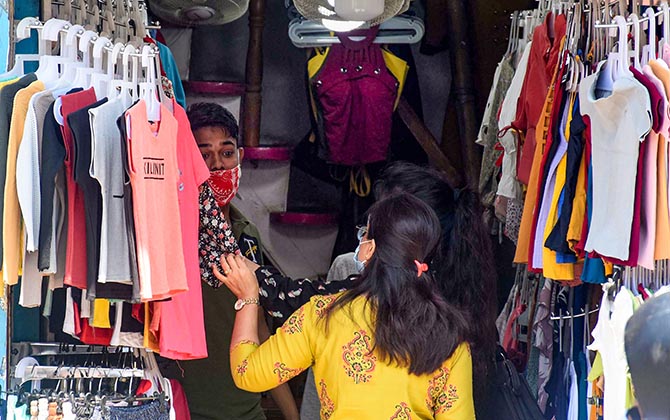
(58, 349)
(30, 23)
(77, 372)
(580, 315)
(663, 9)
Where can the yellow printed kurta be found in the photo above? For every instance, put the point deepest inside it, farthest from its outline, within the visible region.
(353, 382)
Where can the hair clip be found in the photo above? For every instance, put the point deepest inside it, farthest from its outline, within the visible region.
(420, 268)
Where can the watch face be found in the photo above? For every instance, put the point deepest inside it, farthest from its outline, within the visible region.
(239, 304)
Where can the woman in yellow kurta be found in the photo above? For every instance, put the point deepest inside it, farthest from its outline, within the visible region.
(390, 348)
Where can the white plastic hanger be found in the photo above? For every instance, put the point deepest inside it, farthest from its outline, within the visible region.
(50, 65)
(100, 78)
(621, 69)
(666, 29)
(22, 32)
(126, 86)
(649, 50)
(67, 77)
(148, 88)
(84, 73)
(635, 52)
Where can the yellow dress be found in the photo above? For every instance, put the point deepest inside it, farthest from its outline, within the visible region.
(353, 382)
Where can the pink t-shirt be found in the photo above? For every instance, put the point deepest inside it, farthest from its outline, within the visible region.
(75, 261)
(154, 177)
(182, 325)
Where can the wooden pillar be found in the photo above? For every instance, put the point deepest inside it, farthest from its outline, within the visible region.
(424, 137)
(251, 107)
(462, 89)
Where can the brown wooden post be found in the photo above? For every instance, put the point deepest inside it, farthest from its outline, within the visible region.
(462, 91)
(429, 144)
(251, 106)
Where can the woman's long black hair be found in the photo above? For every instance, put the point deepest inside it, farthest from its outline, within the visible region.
(413, 324)
(464, 267)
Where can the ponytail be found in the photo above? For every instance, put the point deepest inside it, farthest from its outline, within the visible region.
(469, 276)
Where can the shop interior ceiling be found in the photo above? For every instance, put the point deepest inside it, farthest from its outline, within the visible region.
(198, 12)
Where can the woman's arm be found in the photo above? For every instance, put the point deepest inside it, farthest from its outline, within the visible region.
(282, 356)
(281, 296)
(281, 395)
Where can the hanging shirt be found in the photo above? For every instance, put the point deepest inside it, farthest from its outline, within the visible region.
(526, 226)
(154, 174)
(29, 195)
(52, 188)
(128, 206)
(182, 323)
(76, 262)
(649, 190)
(552, 267)
(557, 239)
(80, 125)
(546, 181)
(107, 169)
(619, 123)
(12, 236)
(7, 94)
(657, 110)
(508, 186)
(28, 165)
(608, 340)
(541, 66)
(661, 247)
(559, 147)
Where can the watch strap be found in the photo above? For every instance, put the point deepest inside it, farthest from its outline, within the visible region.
(241, 303)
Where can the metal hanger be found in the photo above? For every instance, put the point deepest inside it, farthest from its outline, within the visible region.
(397, 30)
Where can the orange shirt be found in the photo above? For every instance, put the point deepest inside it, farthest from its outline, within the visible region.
(523, 244)
(662, 243)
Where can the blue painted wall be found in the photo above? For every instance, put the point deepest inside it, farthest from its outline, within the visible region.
(26, 8)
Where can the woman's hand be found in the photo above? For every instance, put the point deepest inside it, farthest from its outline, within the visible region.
(237, 276)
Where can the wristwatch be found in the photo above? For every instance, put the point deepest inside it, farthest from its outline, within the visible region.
(241, 302)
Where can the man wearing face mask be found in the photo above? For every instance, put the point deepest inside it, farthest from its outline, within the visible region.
(208, 383)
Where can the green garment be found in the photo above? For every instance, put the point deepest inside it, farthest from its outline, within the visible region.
(208, 383)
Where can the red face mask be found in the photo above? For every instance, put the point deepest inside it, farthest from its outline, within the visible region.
(224, 183)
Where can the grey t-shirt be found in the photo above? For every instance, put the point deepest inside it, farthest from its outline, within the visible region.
(114, 264)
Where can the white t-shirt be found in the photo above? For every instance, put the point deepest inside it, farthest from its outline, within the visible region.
(619, 122)
(509, 186)
(608, 339)
(28, 167)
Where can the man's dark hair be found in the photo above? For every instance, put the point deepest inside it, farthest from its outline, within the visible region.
(209, 114)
